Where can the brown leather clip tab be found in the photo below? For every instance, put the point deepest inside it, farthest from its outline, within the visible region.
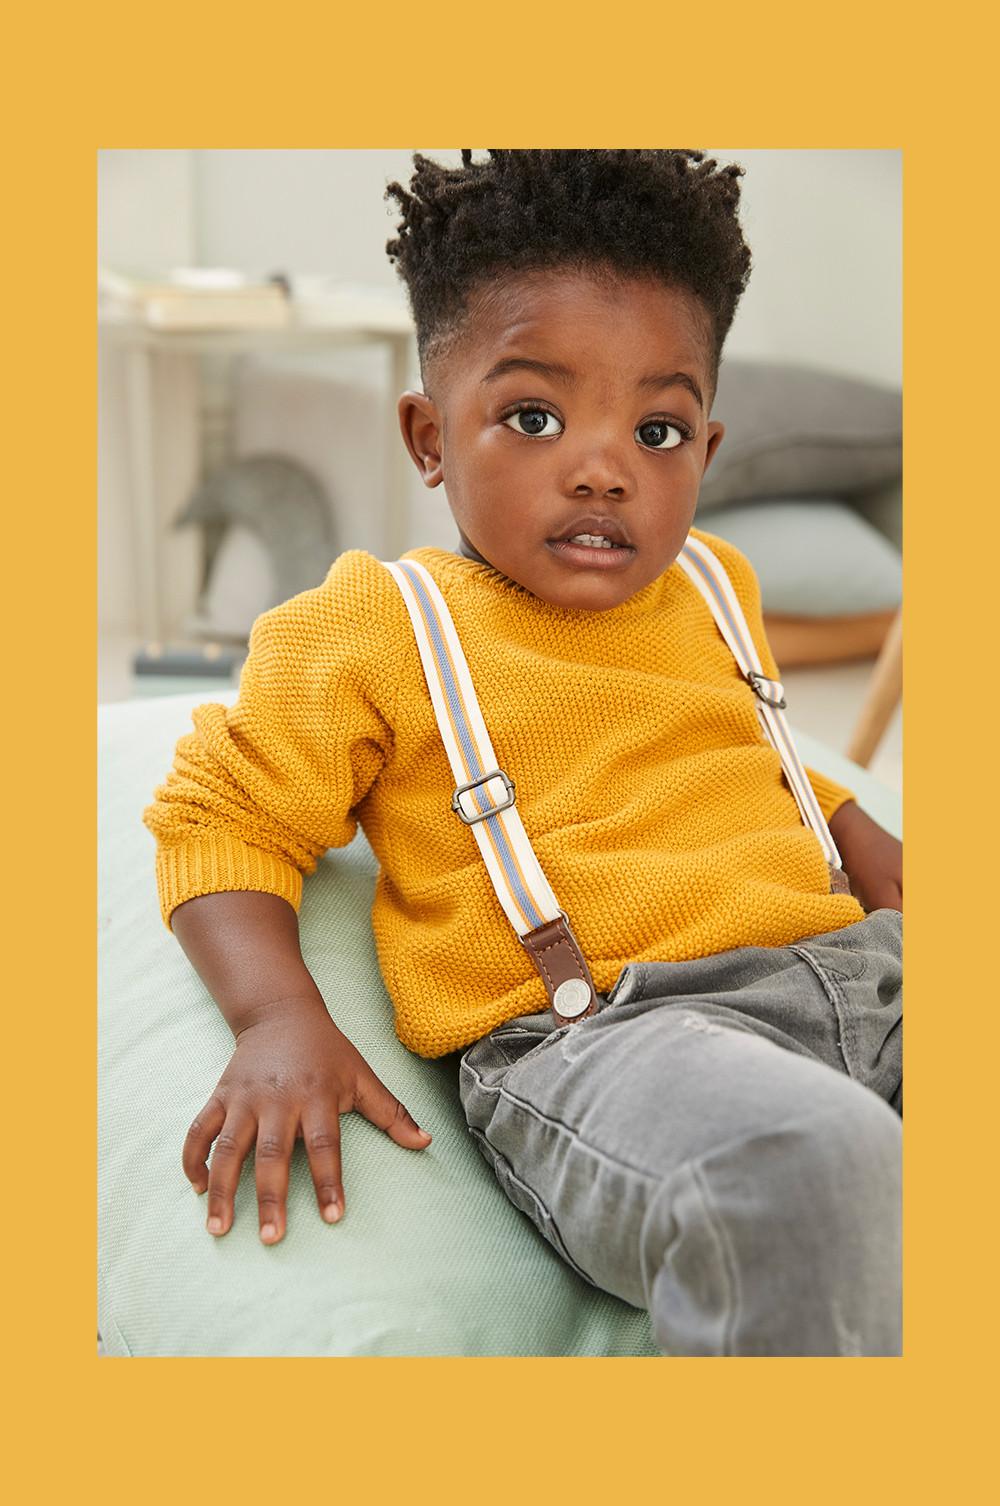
(555, 952)
(839, 882)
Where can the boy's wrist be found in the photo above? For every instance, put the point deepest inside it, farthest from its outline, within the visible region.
(305, 1002)
(244, 945)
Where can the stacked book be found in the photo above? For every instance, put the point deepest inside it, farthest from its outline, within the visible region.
(192, 298)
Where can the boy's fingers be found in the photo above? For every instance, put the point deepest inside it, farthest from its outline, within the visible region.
(321, 1136)
(198, 1142)
(373, 1099)
(275, 1141)
(231, 1147)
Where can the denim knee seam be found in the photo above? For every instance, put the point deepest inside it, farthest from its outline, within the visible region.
(727, 1255)
(693, 1174)
(691, 1171)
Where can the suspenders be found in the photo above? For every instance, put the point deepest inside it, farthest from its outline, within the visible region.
(484, 795)
(707, 572)
(484, 800)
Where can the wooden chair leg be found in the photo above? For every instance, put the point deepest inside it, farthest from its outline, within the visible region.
(885, 688)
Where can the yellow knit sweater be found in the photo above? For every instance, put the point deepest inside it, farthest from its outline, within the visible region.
(657, 809)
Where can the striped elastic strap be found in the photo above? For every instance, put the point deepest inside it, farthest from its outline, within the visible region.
(483, 792)
(484, 798)
(708, 574)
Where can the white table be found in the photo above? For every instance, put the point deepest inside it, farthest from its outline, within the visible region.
(339, 320)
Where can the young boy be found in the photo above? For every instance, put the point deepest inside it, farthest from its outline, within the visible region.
(715, 1137)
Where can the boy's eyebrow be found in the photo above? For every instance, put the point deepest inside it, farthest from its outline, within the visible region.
(561, 373)
(673, 379)
(525, 363)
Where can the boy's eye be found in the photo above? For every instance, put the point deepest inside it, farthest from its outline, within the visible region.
(533, 421)
(656, 433)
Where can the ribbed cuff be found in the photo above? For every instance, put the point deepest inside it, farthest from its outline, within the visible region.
(214, 864)
(830, 795)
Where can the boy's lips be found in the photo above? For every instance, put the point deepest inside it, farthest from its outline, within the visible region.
(593, 556)
(608, 528)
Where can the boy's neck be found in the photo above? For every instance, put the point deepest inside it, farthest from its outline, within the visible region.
(466, 550)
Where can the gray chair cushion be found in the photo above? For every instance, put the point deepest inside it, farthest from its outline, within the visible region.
(793, 431)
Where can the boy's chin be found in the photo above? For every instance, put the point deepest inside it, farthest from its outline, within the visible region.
(558, 584)
(588, 593)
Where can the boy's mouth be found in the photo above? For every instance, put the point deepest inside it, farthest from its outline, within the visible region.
(600, 543)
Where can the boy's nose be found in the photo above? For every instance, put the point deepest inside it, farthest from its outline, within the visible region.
(600, 472)
(583, 490)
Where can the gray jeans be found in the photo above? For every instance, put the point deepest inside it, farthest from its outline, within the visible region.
(720, 1143)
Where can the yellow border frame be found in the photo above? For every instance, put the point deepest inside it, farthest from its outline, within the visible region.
(110, 76)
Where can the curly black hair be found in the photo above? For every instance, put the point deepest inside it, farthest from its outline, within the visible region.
(665, 214)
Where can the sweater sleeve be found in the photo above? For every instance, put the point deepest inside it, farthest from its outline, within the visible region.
(829, 794)
(259, 790)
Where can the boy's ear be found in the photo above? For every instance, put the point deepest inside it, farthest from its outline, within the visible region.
(420, 423)
(715, 433)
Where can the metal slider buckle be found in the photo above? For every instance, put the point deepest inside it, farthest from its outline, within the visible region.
(460, 790)
(754, 677)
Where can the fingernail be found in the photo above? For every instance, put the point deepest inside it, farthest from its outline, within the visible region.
(426, 1134)
(332, 1212)
(268, 1231)
(215, 1226)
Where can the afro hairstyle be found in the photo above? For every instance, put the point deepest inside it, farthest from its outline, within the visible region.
(664, 214)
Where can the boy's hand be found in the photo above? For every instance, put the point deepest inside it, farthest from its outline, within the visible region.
(293, 1074)
(872, 857)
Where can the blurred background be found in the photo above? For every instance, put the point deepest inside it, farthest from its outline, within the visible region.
(253, 339)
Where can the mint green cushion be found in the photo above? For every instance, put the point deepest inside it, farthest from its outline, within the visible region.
(430, 1258)
(813, 557)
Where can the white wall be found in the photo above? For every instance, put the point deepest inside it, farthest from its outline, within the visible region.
(823, 226)
(825, 232)
(303, 211)
(145, 211)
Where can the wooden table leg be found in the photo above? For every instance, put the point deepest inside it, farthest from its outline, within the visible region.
(885, 689)
(145, 528)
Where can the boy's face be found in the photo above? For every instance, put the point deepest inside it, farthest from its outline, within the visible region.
(559, 410)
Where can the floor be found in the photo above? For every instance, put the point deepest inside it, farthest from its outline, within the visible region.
(824, 702)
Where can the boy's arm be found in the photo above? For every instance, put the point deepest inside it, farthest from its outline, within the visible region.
(259, 790)
(872, 858)
(256, 794)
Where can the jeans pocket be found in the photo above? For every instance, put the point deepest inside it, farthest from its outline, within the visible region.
(527, 1201)
(825, 959)
(628, 984)
(866, 991)
(489, 1057)
(486, 1063)
(515, 1038)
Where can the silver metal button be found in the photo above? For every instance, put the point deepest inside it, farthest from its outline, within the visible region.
(571, 998)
